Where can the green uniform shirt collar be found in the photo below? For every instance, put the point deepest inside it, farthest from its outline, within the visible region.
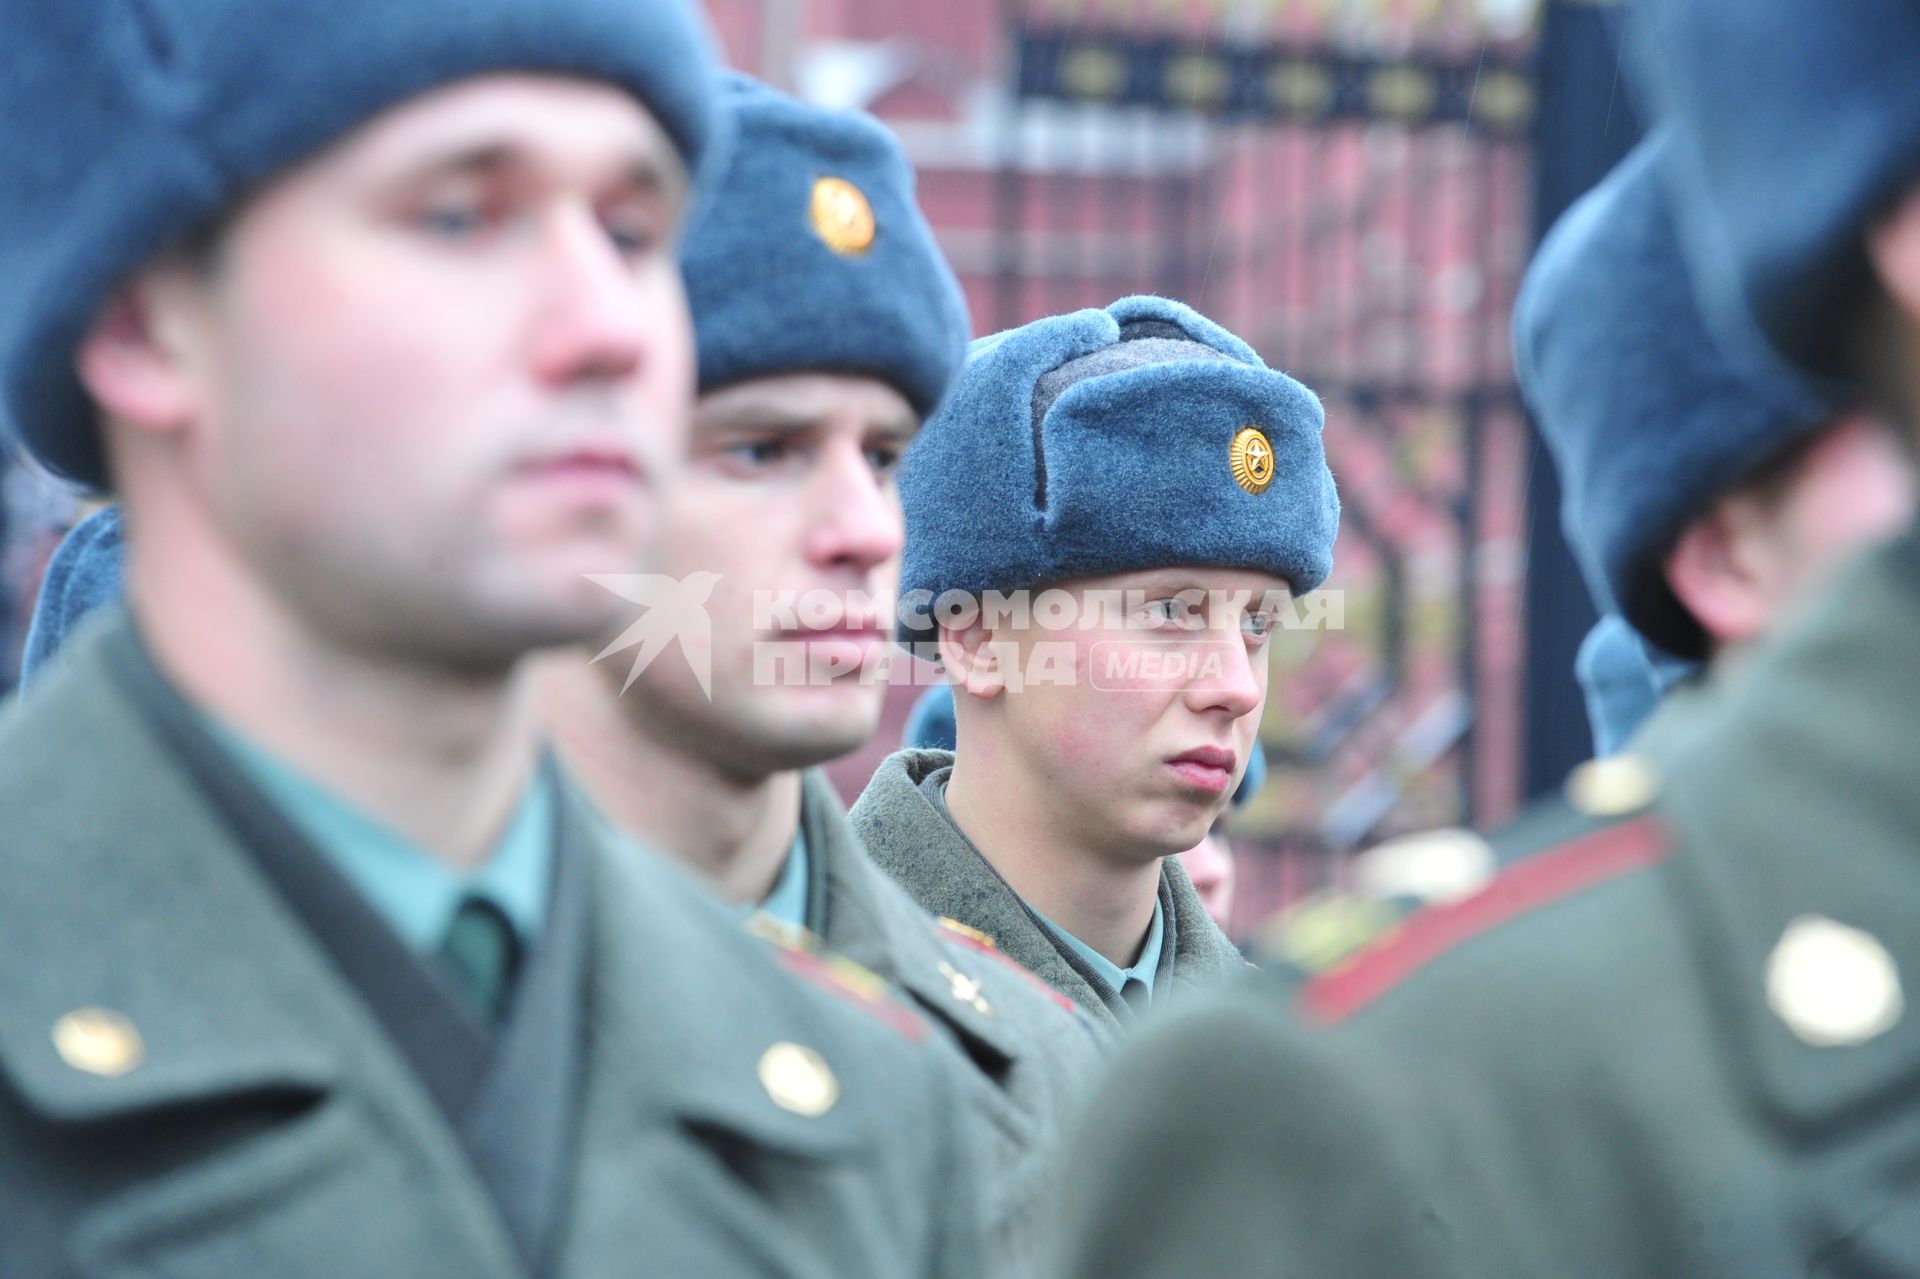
(1140, 975)
(414, 892)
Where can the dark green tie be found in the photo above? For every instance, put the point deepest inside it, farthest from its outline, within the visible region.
(481, 952)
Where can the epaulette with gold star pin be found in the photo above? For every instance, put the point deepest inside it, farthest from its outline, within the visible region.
(983, 944)
(801, 952)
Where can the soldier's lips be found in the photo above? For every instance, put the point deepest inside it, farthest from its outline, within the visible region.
(846, 646)
(586, 470)
(1207, 768)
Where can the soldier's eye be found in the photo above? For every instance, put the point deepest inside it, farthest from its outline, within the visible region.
(453, 221)
(757, 454)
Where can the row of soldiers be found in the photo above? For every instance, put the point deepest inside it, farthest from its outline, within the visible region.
(421, 865)
(383, 898)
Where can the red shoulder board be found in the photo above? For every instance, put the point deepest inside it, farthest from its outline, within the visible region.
(1526, 885)
(849, 981)
(975, 940)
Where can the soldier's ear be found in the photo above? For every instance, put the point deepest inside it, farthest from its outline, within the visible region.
(973, 660)
(1893, 247)
(1722, 570)
(136, 359)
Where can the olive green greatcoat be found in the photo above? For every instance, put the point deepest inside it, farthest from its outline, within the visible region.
(1031, 1057)
(225, 1104)
(915, 843)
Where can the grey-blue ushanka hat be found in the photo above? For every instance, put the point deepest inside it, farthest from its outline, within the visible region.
(809, 254)
(124, 126)
(1795, 126)
(1137, 436)
(1649, 419)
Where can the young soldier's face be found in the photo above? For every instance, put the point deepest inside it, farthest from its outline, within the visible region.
(789, 498)
(1141, 723)
(438, 373)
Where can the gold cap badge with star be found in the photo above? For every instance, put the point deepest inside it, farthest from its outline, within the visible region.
(842, 217)
(1251, 454)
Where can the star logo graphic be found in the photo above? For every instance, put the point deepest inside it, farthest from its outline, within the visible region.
(676, 609)
(1257, 457)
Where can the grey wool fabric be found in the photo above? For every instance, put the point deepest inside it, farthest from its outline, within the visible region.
(1029, 1056)
(188, 1086)
(916, 844)
(129, 126)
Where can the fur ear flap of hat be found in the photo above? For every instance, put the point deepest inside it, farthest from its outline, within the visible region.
(130, 125)
(1623, 679)
(84, 575)
(1107, 441)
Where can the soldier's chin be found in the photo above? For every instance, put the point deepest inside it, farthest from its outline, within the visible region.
(810, 726)
(468, 635)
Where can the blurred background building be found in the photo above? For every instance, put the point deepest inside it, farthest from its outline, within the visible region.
(1354, 187)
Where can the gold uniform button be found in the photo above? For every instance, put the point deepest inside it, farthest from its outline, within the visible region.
(1251, 455)
(1613, 787)
(799, 1080)
(98, 1042)
(842, 217)
(1438, 866)
(1832, 985)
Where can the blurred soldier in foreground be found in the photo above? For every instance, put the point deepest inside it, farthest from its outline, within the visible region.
(1707, 503)
(1668, 1034)
(369, 315)
(1104, 525)
(828, 326)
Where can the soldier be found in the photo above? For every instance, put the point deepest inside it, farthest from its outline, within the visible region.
(369, 315)
(1104, 524)
(1669, 1036)
(828, 325)
(1707, 499)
